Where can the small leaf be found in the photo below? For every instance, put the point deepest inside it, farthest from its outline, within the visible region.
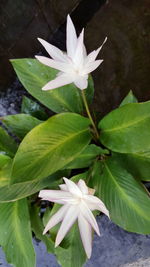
(87, 157)
(15, 234)
(50, 146)
(130, 98)
(127, 129)
(125, 198)
(20, 124)
(34, 75)
(32, 108)
(7, 144)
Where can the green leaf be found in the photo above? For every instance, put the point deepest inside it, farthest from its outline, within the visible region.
(130, 98)
(37, 228)
(34, 75)
(5, 169)
(126, 198)
(87, 156)
(15, 234)
(50, 146)
(7, 144)
(138, 164)
(11, 192)
(32, 108)
(127, 129)
(20, 124)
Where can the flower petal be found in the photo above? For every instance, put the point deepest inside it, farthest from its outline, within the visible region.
(89, 67)
(83, 187)
(66, 224)
(64, 67)
(56, 218)
(56, 196)
(88, 215)
(81, 82)
(71, 40)
(80, 51)
(59, 81)
(94, 203)
(53, 51)
(63, 187)
(92, 56)
(86, 234)
(73, 188)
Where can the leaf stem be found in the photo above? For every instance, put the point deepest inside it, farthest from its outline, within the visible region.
(89, 115)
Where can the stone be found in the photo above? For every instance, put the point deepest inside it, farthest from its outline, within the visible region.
(21, 23)
(126, 54)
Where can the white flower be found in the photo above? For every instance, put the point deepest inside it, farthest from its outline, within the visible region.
(74, 66)
(78, 202)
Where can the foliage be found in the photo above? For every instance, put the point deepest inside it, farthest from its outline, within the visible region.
(115, 160)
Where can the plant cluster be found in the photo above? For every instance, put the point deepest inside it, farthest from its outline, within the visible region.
(108, 157)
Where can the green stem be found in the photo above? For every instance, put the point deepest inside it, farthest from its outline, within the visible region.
(89, 115)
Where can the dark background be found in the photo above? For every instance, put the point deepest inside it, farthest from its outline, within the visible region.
(126, 54)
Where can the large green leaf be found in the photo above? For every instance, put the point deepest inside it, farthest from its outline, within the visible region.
(5, 169)
(125, 197)
(50, 146)
(138, 164)
(34, 75)
(127, 129)
(32, 108)
(86, 157)
(7, 144)
(20, 124)
(130, 98)
(21, 190)
(15, 234)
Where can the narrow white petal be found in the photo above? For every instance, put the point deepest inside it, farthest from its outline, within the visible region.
(84, 51)
(66, 224)
(53, 51)
(73, 188)
(81, 82)
(92, 56)
(83, 187)
(63, 187)
(92, 66)
(86, 234)
(88, 215)
(57, 196)
(94, 203)
(56, 218)
(71, 40)
(59, 81)
(80, 51)
(64, 67)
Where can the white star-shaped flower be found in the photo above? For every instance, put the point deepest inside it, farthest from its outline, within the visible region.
(78, 202)
(75, 65)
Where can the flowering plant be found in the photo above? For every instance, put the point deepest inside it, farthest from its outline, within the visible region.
(109, 158)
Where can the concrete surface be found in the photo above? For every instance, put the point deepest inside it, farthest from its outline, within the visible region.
(114, 248)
